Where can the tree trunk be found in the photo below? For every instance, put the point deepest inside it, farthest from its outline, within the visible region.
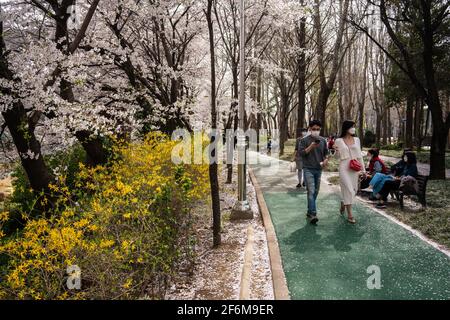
(93, 145)
(232, 118)
(283, 123)
(38, 174)
(362, 91)
(340, 97)
(418, 120)
(259, 115)
(440, 125)
(378, 129)
(428, 22)
(21, 129)
(389, 123)
(301, 75)
(409, 121)
(213, 178)
(385, 125)
(322, 103)
(327, 85)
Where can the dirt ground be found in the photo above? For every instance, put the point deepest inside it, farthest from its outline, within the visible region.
(218, 271)
(6, 188)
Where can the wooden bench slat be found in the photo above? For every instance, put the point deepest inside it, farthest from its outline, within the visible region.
(421, 195)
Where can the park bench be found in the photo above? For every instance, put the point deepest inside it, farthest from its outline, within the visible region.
(421, 194)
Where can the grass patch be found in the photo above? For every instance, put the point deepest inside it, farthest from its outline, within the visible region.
(289, 150)
(434, 221)
(334, 180)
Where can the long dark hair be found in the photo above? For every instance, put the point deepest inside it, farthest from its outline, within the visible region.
(412, 159)
(374, 152)
(405, 151)
(346, 126)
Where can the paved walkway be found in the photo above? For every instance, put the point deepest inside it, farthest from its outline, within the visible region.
(330, 261)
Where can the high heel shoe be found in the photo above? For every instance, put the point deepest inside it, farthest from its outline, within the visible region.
(351, 220)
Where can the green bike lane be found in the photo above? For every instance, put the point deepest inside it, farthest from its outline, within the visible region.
(331, 260)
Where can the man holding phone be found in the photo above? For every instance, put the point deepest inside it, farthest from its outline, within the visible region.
(314, 152)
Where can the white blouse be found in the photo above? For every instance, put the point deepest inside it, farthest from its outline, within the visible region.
(344, 151)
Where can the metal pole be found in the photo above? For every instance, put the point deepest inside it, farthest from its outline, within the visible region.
(242, 209)
(242, 152)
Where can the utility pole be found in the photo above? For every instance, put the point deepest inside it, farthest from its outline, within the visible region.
(242, 208)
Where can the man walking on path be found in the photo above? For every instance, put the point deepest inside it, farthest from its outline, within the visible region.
(314, 153)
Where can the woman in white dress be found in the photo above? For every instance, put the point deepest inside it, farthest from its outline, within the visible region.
(348, 148)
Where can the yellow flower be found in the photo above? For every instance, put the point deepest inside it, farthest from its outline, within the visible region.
(106, 243)
(62, 296)
(4, 216)
(124, 189)
(93, 227)
(81, 224)
(125, 244)
(128, 283)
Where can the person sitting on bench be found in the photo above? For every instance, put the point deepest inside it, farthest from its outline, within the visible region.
(397, 169)
(376, 165)
(410, 169)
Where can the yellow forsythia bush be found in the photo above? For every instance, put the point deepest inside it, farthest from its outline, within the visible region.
(126, 230)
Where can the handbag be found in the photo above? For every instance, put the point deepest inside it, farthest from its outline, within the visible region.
(354, 164)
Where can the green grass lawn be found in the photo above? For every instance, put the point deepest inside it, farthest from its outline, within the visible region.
(289, 149)
(434, 222)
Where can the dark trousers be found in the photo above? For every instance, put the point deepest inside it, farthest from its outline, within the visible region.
(365, 183)
(388, 187)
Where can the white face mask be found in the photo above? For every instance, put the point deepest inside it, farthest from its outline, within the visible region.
(352, 131)
(315, 133)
